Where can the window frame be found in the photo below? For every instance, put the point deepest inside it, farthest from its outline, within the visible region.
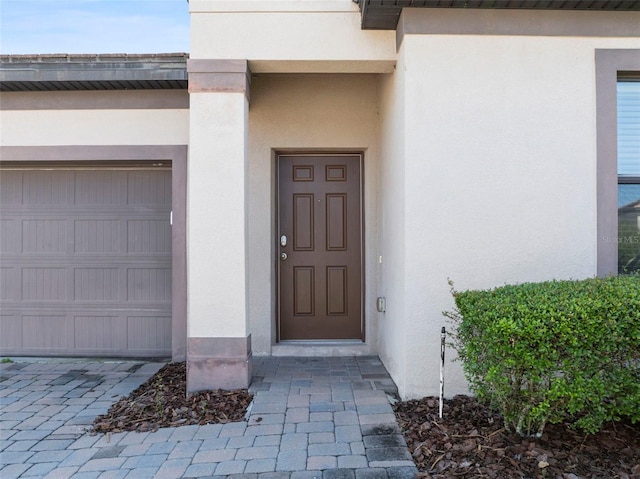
(611, 66)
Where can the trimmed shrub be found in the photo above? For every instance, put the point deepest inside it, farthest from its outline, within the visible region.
(553, 351)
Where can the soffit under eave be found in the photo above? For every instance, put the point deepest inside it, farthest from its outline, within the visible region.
(92, 72)
(384, 14)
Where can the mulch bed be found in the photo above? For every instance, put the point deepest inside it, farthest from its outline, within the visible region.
(162, 401)
(470, 442)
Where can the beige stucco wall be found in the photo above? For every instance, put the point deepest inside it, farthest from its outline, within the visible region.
(499, 178)
(289, 36)
(216, 216)
(306, 113)
(94, 127)
(392, 326)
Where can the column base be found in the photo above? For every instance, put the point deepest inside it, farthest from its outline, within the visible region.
(218, 363)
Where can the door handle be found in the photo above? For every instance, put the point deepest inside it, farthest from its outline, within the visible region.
(283, 240)
(283, 256)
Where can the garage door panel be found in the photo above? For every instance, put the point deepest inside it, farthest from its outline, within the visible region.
(48, 188)
(148, 236)
(98, 235)
(11, 188)
(149, 285)
(86, 260)
(143, 190)
(149, 333)
(9, 284)
(97, 284)
(101, 188)
(44, 236)
(44, 284)
(10, 236)
(47, 332)
(10, 331)
(99, 334)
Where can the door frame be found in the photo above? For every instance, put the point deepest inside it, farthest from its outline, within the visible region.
(276, 235)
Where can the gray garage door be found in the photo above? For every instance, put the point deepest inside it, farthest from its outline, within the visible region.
(85, 261)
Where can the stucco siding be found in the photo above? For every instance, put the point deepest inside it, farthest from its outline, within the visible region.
(217, 302)
(392, 325)
(299, 33)
(94, 127)
(500, 168)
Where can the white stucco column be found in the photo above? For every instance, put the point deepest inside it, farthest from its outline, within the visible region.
(218, 342)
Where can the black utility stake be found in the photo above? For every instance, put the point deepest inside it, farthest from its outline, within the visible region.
(443, 335)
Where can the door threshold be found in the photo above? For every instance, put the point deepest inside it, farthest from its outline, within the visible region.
(322, 348)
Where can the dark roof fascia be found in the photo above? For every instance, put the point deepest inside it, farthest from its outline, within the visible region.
(384, 14)
(61, 72)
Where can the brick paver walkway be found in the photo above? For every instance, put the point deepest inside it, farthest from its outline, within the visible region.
(322, 418)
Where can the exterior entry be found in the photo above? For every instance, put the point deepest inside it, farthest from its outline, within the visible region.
(320, 247)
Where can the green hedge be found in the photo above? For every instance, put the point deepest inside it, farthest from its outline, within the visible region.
(553, 351)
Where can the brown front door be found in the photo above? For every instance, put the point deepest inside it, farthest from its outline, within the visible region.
(320, 247)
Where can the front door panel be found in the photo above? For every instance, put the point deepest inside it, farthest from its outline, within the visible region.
(320, 247)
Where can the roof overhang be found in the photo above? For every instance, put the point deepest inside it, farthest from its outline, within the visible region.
(93, 72)
(384, 14)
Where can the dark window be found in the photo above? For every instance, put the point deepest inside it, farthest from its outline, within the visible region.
(628, 107)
